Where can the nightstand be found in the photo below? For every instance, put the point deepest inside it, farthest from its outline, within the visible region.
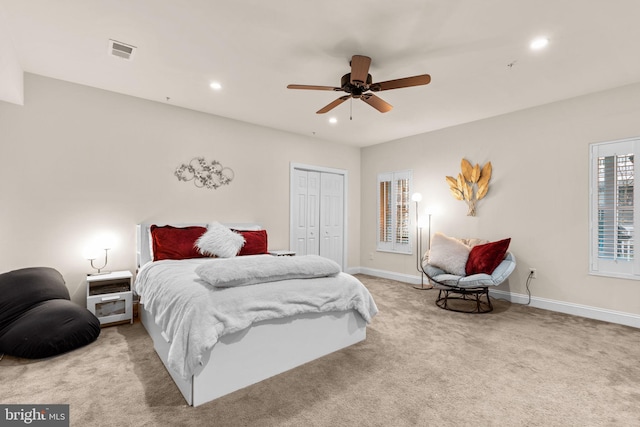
(282, 253)
(109, 297)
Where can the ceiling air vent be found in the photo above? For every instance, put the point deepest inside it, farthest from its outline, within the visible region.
(121, 50)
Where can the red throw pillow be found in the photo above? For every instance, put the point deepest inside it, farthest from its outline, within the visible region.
(255, 242)
(175, 242)
(486, 258)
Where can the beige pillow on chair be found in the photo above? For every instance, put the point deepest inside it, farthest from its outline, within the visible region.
(448, 254)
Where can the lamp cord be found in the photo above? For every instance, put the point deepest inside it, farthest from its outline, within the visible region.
(527, 286)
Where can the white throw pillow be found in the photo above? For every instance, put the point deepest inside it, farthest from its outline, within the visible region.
(448, 254)
(219, 241)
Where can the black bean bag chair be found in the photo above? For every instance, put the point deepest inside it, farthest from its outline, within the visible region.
(37, 317)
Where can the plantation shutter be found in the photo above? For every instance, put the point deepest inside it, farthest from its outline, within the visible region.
(613, 203)
(393, 212)
(384, 207)
(402, 211)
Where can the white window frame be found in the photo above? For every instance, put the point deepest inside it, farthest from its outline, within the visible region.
(393, 242)
(611, 253)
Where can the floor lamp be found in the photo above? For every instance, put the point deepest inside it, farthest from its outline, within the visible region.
(417, 197)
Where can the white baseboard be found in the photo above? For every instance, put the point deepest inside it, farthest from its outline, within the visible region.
(596, 313)
(612, 316)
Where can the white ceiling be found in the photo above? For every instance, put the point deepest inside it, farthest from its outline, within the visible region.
(254, 48)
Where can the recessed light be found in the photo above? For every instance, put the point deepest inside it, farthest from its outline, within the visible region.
(333, 120)
(215, 86)
(539, 43)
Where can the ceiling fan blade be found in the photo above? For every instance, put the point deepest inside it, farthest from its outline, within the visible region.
(333, 105)
(360, 69)
(377, 103)
(422, 79)
(311, 87)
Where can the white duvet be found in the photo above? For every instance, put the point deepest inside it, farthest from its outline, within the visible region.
(194, 315)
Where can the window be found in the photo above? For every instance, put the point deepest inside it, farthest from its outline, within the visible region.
(612, 211)
(394, 203)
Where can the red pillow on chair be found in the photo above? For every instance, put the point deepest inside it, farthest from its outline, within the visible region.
(486, 258)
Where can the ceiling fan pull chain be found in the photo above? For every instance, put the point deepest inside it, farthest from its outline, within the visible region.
(350, 108)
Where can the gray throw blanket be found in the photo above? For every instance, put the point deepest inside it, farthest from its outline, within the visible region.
(249, 270)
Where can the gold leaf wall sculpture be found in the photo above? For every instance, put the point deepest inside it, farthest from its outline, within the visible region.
(471, 185)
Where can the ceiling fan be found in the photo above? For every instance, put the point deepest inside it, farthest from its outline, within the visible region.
(358, 84)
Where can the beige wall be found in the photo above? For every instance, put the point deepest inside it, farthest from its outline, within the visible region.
(538, 193)
(76, 161)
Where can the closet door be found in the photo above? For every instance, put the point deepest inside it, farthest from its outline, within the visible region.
(332, 216)
(317, 213)
(306, 212)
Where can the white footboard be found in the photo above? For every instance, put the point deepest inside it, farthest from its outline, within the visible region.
(262, 351)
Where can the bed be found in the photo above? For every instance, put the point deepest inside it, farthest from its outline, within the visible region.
(209, 361)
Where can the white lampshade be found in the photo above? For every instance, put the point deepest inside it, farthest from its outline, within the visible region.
(90, 252)
(416, 197)
(432, 210)
(96, 246)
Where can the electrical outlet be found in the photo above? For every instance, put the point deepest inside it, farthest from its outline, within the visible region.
(532, 273)
(371, 255)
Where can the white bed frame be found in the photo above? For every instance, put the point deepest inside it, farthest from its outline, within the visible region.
(261, 351)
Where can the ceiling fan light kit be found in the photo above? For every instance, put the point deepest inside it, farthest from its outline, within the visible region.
(359, 84)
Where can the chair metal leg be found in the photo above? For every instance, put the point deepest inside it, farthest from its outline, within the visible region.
(473, 295)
